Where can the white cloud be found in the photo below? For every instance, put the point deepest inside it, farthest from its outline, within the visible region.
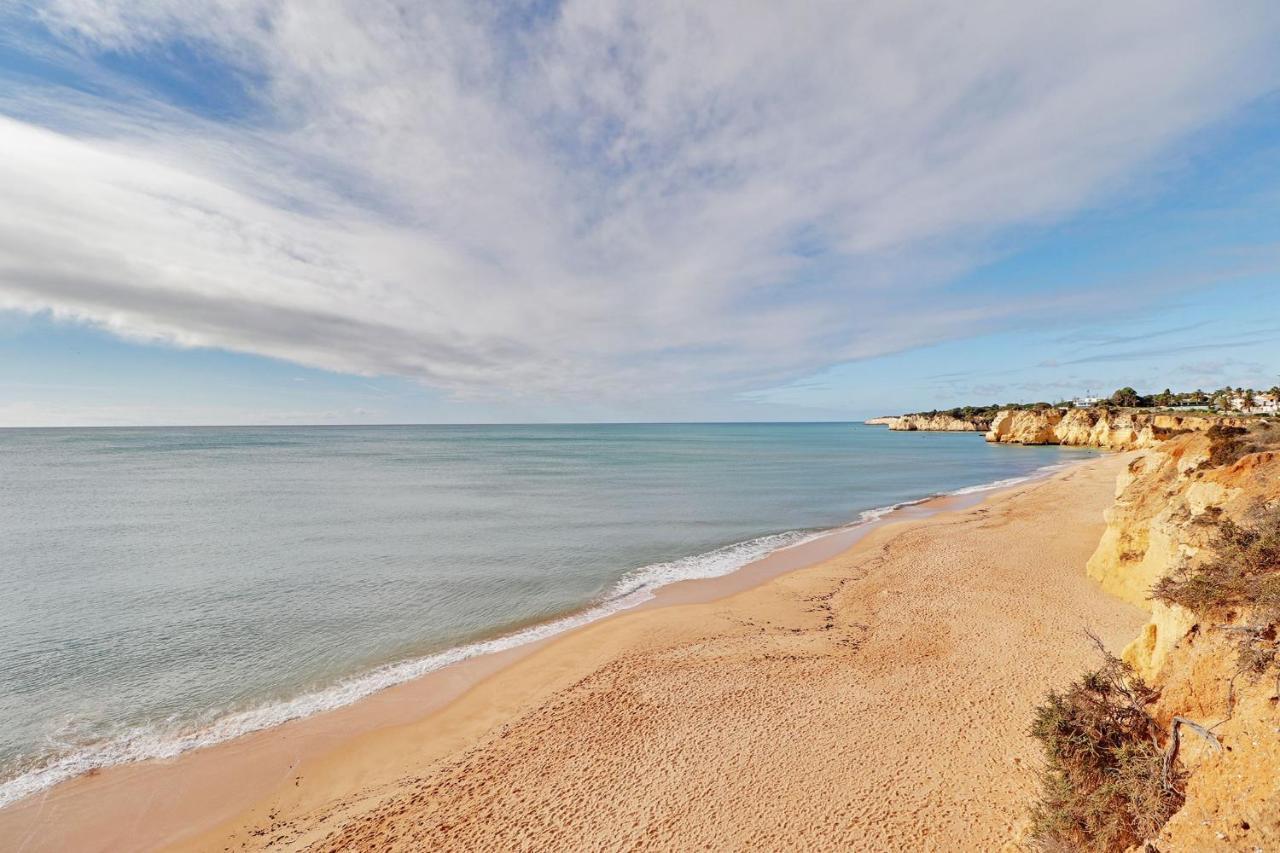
(610, 200)
(43, 413)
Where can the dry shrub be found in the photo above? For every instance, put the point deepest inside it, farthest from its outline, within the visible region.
(1226, 446)
(1103, 787)
(1239, 587)
(1242, 573)
(1257, 649)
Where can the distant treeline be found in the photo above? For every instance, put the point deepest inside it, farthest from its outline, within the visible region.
(1124, 398)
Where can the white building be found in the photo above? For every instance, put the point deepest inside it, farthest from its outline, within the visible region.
(1263, 404)
(1085, 402)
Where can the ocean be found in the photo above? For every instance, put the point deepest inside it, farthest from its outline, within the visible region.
(167, 588)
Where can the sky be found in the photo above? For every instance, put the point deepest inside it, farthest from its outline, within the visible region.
(319, 211)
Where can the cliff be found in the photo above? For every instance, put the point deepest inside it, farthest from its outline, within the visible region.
(887, 420)
(1210, 660)
(940, 422)
(1109, 429)
(933, 422)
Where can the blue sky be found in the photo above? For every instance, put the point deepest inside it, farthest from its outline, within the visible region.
(275, 212)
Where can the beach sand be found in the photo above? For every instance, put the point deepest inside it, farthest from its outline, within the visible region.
(877, 700)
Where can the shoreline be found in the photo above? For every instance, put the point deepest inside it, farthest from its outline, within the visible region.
(636, 589)
(229, 776)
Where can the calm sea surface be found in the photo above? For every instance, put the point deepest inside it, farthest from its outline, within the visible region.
(165, 588)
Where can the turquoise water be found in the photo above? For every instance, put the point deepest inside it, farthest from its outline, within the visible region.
(166, 588)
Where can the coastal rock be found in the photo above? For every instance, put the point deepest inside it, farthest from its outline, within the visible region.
(1230, 793)
(932, 422)
(1154, 528)
(1142, 542)
(1029, 426)
(1109, 429)
(1149, 652)
(941, 422)
(1157, 525)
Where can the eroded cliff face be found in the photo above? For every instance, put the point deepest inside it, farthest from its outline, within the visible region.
(936, 422)
(1168, 503)
(939, 423)
(1018, 426)
(1109, 429)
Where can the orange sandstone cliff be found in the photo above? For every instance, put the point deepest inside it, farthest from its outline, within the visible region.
(935, 422)
(1110, 429)
(1170, 501)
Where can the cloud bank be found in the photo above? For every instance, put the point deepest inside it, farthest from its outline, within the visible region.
(582, 199)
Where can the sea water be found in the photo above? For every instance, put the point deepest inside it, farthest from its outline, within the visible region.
(167, 588)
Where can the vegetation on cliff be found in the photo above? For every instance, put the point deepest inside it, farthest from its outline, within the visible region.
(1224, 400)
(1196, 525)
(986, 412)
(1238, 586)
(1227, 444)
(942, 422)
(1038, 421)
(1105, 784)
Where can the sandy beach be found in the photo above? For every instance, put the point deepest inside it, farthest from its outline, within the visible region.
(622, 426)
(876, 700)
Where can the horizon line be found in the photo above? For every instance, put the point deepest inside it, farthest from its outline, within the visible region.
(856, 421)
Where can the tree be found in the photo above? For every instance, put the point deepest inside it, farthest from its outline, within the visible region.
(1126, 397)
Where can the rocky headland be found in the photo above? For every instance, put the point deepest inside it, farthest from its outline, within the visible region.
(933, 422)
(1105, 428)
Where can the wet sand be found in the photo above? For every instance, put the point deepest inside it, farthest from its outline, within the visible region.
(877, 699)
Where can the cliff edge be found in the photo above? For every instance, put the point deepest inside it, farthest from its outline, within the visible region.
(933, 422)
(1194, 537)
(1109, 429)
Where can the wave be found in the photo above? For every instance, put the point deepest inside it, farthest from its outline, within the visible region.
(635, 588)
(1037, 474)
(150, 743)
